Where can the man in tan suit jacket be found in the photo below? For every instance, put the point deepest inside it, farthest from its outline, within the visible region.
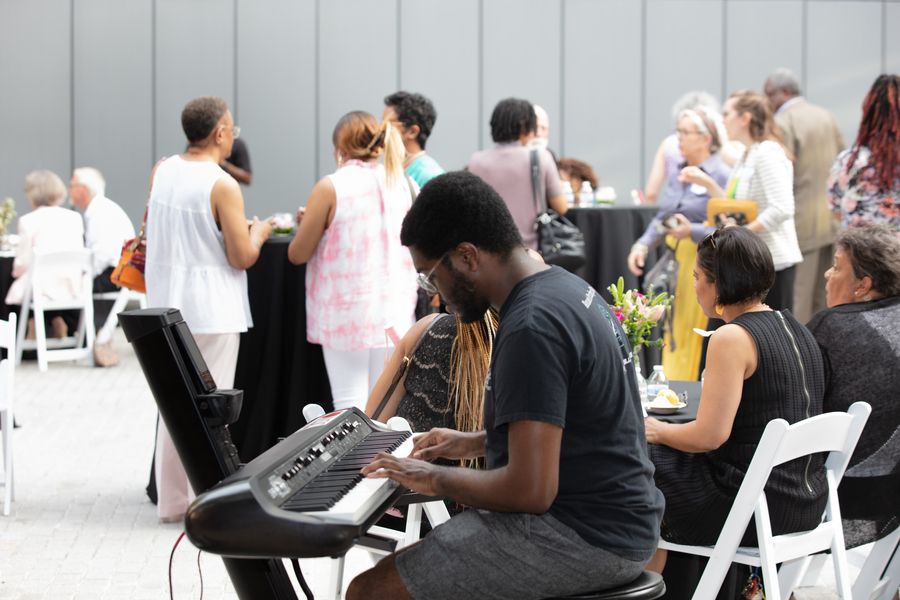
(812, 135)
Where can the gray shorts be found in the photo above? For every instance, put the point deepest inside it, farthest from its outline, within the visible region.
(483, 554)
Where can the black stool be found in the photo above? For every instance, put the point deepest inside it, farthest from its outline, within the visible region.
(648, 586)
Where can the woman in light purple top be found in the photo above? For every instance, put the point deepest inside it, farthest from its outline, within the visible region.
(507, 166)
(682, 211)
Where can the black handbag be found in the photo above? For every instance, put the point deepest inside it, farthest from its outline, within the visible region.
(663, 277)
(560, 241)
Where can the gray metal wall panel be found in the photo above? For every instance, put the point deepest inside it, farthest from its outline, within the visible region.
(521, 58)
(602, 89)
(892, 40)
(429, 29)
(35, 104)
(194, 57)
(748, 61)
(357, 63)
(844, 57)
(276, 101)
(683, 45)
(113, 85)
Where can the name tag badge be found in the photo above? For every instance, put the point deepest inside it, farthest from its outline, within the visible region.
(698, 190)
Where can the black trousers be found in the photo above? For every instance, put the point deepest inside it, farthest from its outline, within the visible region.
(781, 296)
(102, 307)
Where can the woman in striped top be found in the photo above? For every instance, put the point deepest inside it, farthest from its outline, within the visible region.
(764, 174)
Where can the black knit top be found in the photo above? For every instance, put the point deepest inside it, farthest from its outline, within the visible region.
(700, 488)
(427, 403)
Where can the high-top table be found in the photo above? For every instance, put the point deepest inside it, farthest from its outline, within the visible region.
(609, 232)
(278, 370)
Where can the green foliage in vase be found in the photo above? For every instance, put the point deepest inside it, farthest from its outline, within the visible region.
(638, 313)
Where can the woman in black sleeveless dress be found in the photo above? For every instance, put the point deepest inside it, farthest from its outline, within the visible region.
(761, 365)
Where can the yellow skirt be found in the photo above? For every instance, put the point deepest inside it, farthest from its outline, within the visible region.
(683, 362)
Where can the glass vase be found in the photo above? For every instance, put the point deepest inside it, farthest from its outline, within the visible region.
(638, 374)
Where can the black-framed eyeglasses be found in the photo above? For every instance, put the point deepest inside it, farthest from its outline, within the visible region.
(424, 279)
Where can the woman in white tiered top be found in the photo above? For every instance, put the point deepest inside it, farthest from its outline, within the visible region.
(198, 247)
(764, 174)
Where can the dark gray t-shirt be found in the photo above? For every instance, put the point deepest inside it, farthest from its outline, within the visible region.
(557, 359)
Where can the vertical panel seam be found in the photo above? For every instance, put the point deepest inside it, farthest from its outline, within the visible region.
(804, 42)
(643, 95)
(399, 43)
(71, 85)
(478, 129)
(884, 16)
(234, 66)
(562, 78)
(724, 31)
(153, 95)
(316, 108)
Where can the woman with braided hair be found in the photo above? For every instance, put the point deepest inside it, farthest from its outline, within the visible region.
(864, 186)
(444, 383)
(360, 280)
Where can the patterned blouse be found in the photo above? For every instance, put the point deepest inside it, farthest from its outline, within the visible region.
(854, 194)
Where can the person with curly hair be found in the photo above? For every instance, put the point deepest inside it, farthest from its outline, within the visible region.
(864, 186)
(413, 115)
(506, 166)
(566, 499)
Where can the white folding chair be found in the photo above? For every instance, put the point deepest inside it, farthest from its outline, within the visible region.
(835, 433)
(435, 510)
(120, 298)
(878, 564)
(7, 422)
(47, 266)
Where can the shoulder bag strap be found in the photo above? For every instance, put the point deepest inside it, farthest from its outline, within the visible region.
(535, 180)
(401, 370)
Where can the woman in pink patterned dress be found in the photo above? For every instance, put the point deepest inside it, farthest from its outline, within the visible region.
(360, 280)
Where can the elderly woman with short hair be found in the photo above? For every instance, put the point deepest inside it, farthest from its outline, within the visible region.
(47, 228)
(859, 334)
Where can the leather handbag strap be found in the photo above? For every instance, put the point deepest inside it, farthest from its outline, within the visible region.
(401, 370)
(535, 180)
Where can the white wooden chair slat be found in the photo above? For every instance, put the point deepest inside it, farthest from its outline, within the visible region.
(7, 420)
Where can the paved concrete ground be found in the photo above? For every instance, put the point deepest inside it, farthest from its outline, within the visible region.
(81, 526)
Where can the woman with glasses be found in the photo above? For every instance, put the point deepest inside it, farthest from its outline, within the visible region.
(764, 174)
(199, 245)
(682, 211)
(761, 365)
(360, 280)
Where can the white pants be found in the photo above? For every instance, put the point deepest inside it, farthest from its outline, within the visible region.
(220, 351)
(353, 374)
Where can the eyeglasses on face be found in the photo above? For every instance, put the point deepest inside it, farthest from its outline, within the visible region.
(424, 279)
(235, 130)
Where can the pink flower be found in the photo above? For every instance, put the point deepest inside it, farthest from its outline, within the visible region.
(657, 312)
(620, 317)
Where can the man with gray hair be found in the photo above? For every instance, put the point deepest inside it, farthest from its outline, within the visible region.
(811, 133)
(106, 228)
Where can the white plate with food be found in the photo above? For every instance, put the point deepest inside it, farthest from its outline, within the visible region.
(665, 407)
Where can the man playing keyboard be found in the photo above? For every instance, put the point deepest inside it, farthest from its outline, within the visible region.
(567, 502)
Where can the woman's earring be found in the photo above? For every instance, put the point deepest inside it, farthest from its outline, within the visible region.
(867, 298)
(720, 309)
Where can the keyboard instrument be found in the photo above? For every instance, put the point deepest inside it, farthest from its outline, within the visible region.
(305, 496)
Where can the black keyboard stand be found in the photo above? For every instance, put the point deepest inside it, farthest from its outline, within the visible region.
(197, 417)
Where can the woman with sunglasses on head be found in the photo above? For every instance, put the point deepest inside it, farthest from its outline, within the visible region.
(682, 211)
(761, 365)
(360, 280)
(764, 174)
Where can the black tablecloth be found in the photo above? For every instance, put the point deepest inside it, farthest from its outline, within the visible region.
(609, 233)
(6, 279)
(279, 371)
